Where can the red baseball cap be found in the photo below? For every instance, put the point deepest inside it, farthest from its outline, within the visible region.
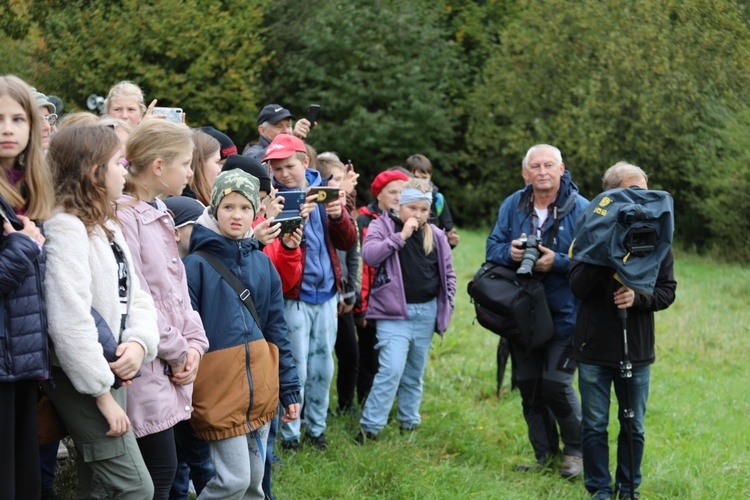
(284, 146)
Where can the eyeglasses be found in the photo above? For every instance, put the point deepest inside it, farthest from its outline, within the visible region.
(50, 118)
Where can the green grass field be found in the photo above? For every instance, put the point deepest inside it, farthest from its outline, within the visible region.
(697, 424)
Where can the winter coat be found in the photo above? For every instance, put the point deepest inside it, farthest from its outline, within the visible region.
(24, 354)
(387, 296)
(82, 273)
(154, 402)
(246, 370)
(514, 218)
(599, 337)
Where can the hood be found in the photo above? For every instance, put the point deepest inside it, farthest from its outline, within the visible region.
(313, 178)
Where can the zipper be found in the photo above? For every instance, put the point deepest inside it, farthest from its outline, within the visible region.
(248, 373)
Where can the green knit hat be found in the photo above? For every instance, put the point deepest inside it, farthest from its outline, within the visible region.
(235, 180)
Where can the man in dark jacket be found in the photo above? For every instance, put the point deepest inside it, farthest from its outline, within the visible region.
(598, 349)
(272, 121)
(547, 207)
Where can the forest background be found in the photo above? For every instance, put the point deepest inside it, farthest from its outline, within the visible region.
(470, 84)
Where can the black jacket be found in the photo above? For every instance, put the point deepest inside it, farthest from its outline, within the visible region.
(598, 337)
(24, 353)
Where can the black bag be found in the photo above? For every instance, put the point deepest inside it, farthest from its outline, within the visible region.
(513, 308)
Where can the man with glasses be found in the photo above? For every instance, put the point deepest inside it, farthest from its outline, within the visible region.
(273, 120)
(47, 114)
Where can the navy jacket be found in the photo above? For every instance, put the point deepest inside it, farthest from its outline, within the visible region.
(513, 219)
(24, 353)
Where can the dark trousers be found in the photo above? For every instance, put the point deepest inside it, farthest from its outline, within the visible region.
(160, 454)
(368, 360)
(48, 461)
(19, 445)
(548, 398)
(347, 353)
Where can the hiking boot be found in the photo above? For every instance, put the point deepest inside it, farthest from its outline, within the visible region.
(571, 467)
(290, 445)
(318, 442)
(364, 436)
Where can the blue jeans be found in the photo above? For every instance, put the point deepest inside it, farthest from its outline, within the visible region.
(404, 346)
(594, 383)
(312, 332)
(193, 462)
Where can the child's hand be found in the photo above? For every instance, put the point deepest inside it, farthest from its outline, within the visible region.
(293, 240)
(411, 225)
(29, 229)
(308, 206)
(190, 371)
(335, 208)
(130, 356)
(274, 205)
(118, 420)
(291, 413)
(265, 233)
(453, 238)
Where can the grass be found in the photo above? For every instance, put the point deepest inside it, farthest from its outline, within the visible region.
(697, 425)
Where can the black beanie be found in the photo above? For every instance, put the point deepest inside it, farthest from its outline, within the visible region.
(252, 166)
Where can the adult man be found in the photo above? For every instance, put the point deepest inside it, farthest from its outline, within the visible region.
(547, 207)
(598, 348)
(273, 120)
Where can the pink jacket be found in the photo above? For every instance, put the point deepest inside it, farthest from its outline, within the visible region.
(154, 402)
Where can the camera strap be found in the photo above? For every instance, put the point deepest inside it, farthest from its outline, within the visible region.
(557, 215)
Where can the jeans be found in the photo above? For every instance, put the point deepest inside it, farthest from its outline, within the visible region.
(548, 398)
(312, 332)
(404, 346)
(193, 462)
(594, 383)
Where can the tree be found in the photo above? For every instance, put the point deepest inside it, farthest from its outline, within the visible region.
(204, 56)
(605, 81)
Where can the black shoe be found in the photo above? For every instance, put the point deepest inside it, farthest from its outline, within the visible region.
(291, 445)
(318, 441)
(364, 436)
(405, 429)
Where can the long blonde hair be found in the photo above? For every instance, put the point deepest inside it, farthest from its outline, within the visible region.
(423, 185)
(34, 194)
(205, 147)
(151, 140)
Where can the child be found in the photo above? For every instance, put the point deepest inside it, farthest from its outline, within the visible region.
(440, 215)
(206, 166)
(185, 211)
(347, 350)
(89, 266)
(249, 367)
(24, 358)
(411, 297)
(386, 187)
(310, 306)
(160, 154)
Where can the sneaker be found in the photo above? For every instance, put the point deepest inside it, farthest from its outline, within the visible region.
(318, 441)
(364, 436)
(624, 495)
(535, 467)
(571, 467)
(290, 445)
(405, 429)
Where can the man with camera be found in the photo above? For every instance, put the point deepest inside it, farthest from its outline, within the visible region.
(599, 351)
(273, 120)
(535, 225)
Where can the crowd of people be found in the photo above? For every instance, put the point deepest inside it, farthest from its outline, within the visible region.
(179, 304)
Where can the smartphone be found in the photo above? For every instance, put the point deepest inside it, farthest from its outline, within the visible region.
(349, 165)
(326, 194)
(174, 115)
(293, 201)
(312, 114)
(288, 225)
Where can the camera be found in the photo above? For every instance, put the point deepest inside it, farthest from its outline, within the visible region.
(530, 255)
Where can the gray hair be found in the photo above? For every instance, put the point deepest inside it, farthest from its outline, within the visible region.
(619, 173)
(538, 147)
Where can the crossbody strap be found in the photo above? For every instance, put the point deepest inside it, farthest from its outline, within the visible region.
(234, 282)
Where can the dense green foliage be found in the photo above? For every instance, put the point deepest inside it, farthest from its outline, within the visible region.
(472, 85)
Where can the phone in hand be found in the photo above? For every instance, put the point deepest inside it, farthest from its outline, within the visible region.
(326, 194)
(288, 226)
(174, 115)
(312, 114)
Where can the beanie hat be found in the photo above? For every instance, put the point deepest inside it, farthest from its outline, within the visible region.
(42, 101)
(185, 210)
(283, 146)
(384, 178)
(234, 181)
(252, 166)
(273, 114)
(227, 147)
